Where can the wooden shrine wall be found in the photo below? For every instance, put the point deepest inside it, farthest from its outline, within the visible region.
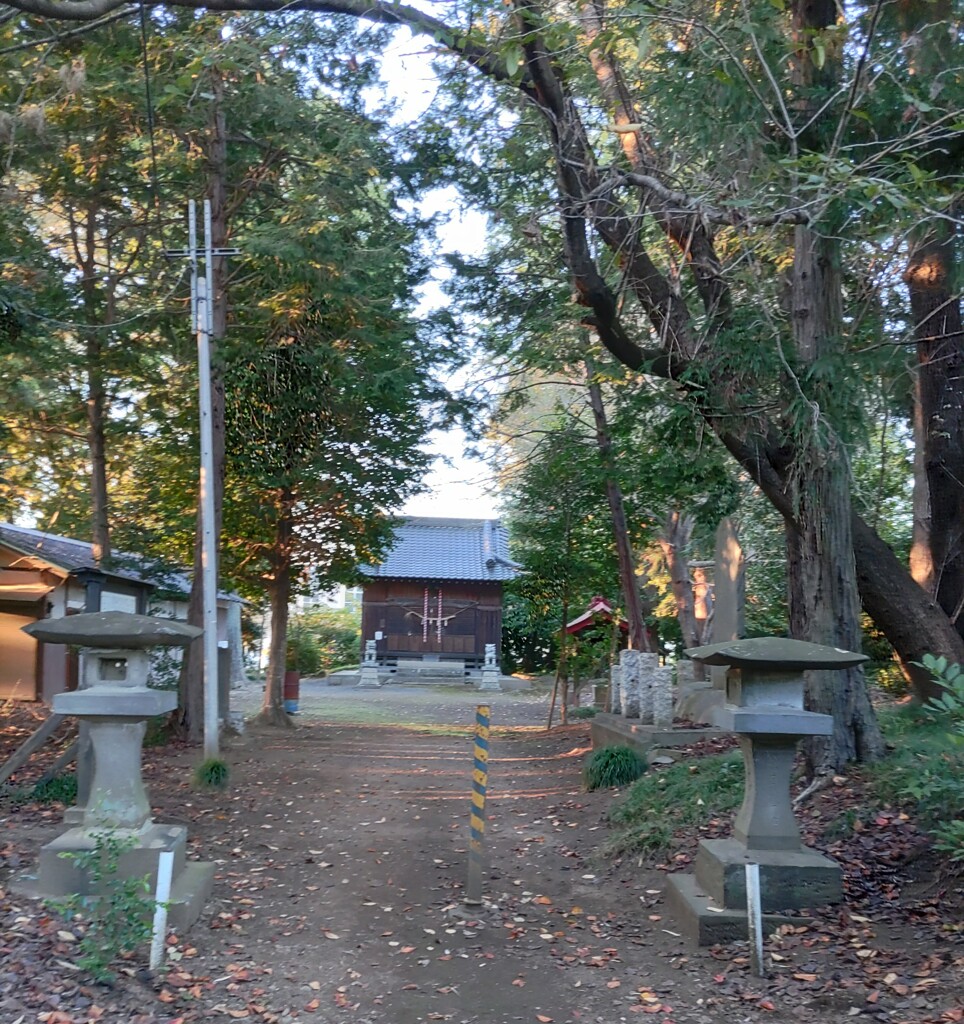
(471, 618)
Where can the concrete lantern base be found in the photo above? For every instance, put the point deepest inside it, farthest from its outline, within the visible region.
(368, 679)
(59, 875)
(788, 878)
(491, 679)
(706, 922)
(711, 904)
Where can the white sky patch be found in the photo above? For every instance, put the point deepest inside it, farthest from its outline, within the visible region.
(458, 485)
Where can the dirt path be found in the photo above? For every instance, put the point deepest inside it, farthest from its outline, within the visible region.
(341, 853)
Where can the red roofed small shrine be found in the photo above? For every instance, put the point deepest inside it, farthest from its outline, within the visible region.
(598, 611)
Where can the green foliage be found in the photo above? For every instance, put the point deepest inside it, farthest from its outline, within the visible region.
(950, 705)
(949, 838)
(116, 915)
(925, 768)
(612, 766)
(212, 773)
(336, 634)
(303, 653)
(61, 789)
(158, 731)
(684, 795)
(582, 712)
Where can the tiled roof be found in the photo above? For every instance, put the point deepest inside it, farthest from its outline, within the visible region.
(63, 552)
(447, 549)
(75, 555)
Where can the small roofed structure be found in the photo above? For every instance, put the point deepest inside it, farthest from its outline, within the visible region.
(437, 594)
(598, 611)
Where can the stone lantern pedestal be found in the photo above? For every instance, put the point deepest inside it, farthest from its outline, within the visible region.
(764, 707)
(491, 676)
(116, 703)
(368, 677)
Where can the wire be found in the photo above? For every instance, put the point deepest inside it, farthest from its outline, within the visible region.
(161, 304)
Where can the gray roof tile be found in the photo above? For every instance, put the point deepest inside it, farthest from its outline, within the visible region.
(447, 549)
(75, 555)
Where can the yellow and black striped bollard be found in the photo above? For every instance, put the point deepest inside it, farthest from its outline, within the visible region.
(480, 779)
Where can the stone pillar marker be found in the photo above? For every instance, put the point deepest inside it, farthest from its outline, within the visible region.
(368, 680)
(765, 708)
(629, 668)
(116, 704)
(648, 667)
(491, 675)
(615, 689)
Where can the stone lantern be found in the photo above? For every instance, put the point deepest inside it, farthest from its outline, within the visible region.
(116, 703)
(764, 706)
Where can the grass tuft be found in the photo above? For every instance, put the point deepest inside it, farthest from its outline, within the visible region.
(612, 766)
(61, 789)
(684, 795)
(211, 774)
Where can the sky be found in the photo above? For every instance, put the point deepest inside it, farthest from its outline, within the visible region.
(457, 485)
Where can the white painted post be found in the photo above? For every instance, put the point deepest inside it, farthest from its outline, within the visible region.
(754, 919)
(165, 872)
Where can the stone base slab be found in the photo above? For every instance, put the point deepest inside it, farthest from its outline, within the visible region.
(609, 730)
(59, 875)
(368, 678)
(706, 922)
(789, 879)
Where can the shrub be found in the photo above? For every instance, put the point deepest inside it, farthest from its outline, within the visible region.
(612, 766)
(303, 654)
(118, 912)
(584, 712)
(929, 769)
(327, 639)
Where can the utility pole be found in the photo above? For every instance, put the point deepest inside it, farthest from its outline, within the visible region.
(202, 308)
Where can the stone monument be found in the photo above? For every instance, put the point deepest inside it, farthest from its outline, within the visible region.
(765, 708)
(116, 704)
(491, 675)
(699, 699)
(629, 669)
(368, 680)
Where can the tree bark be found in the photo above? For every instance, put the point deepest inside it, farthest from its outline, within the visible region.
(674, 541)
(907, 615)
(921, 562)
(821, 571)
(936, 309)
(96, 398)
(279, 593)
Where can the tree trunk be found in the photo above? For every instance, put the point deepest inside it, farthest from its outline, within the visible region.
(821, 572)
(96, 399)
(675, 539)
(908, 616)
(279, 593)
(921, 562)
(936, 308)
(639, 638)
(191, 682)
